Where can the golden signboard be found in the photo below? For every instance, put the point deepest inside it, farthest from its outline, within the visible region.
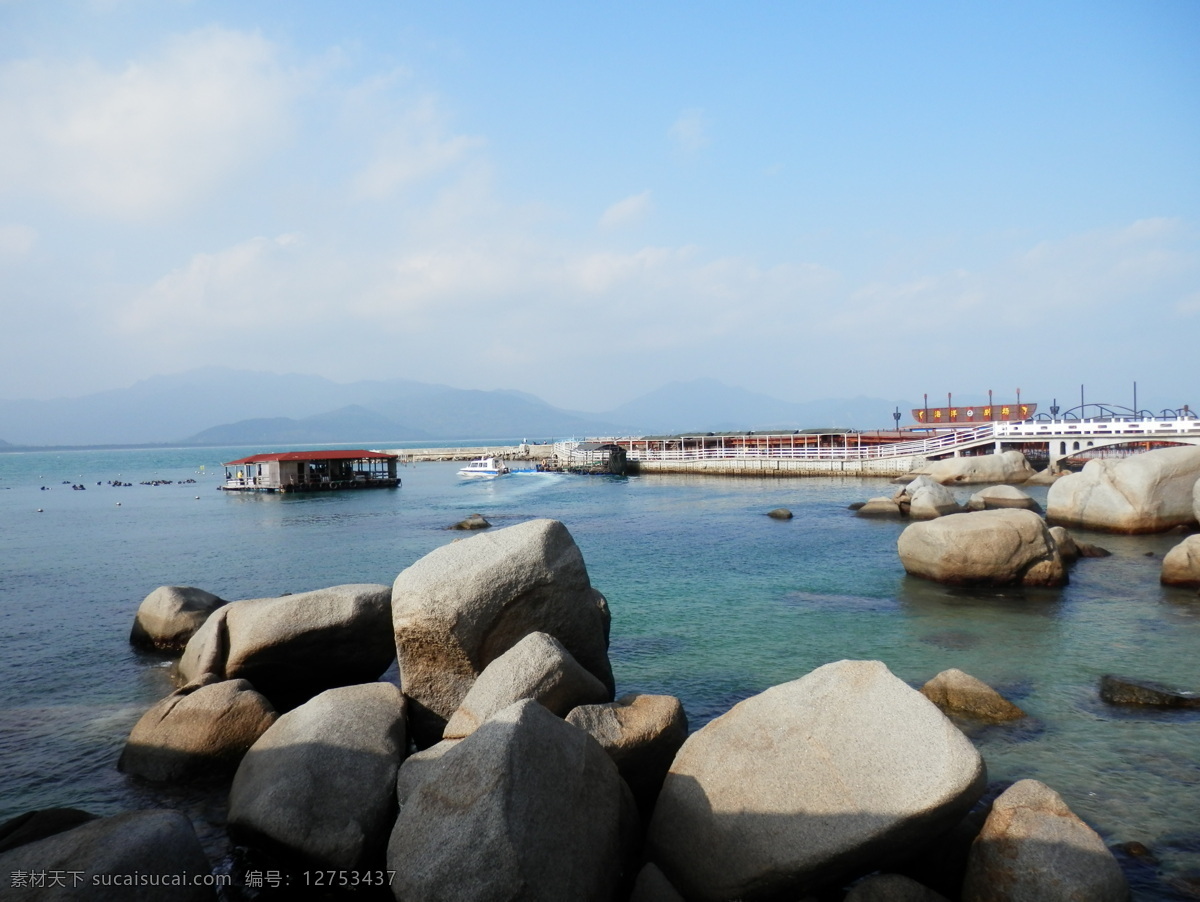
(973, 413)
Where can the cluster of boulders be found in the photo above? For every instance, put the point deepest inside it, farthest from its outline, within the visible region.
(501, 766)
(999, 538)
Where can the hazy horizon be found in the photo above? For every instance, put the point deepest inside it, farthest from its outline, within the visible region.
(587, 203)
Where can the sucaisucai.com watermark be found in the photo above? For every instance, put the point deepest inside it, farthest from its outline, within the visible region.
(63, 878)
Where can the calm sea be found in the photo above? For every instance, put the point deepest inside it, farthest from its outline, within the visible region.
(712, 602)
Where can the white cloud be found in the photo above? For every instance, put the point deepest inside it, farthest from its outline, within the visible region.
(16, 241)
(691, 130)
(415, 147)
(159, 132)
(626, 212)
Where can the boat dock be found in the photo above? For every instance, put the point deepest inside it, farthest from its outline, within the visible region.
(526, 452)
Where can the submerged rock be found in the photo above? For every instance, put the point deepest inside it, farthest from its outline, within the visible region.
(462, 606)
(1072, 549)
(1124, 691)
(1000, 547)
(780, 513)
(1033, 846)
(1148, 492)
(475, 521)
(809, 783)
(955, 692)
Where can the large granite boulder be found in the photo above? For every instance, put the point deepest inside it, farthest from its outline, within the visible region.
(653, 886)
(150, 856)
(170, 615)
(319, 785)
(925, 499)
(1181, 565)
(810, 783)
(34, 825)
(642, 734)
(294, 646)
(1010, 467)
(1000, 547)
(891, 888)
(201, 730)
(999, 497)
(462, 606)
(1032, 846)
(537, 667)
(1148, 492)
(1196, 500)
(955, 692)
(526, 807)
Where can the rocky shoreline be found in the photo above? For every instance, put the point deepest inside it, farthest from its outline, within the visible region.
(503, 767)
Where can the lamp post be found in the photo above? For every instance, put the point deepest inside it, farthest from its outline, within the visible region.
(896, 417)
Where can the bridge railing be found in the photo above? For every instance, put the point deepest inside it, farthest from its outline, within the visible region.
(773, 447)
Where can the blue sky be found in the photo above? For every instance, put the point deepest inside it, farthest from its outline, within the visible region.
(810, 200)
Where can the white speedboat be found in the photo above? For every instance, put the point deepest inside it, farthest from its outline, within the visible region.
(485, 468)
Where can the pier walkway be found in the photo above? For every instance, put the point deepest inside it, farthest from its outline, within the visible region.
(888, 454)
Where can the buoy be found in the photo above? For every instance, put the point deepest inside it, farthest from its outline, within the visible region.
(39, 510)
(118, 504)
(197, 497)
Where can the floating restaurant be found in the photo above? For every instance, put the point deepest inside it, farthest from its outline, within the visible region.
(311, 471)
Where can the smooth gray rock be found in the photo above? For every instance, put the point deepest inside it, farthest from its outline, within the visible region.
(1148, 492)
(955, 692)
(810, 783)
(199, 731)
(653, 886)
(114, 851)
(526, 807)
(34, 825)
(1196, 500)
(1000, 547)
(462, 606)
(925, 499)
(1000, 497)
(1034, 849)
(879, 507)
(537, 667)
(642, 734)
(170, 615)
(780, 513)
(1010, 467)
(294, 646)
(1181, 565)
(891, 888)
(320, 784)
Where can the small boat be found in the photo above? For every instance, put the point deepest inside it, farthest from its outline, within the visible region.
(485, 468)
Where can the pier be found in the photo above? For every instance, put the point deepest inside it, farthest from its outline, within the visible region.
(891, 453)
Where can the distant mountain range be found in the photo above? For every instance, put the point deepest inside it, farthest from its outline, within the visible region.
(220, 406)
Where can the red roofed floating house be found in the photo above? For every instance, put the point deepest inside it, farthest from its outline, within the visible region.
(311, 471)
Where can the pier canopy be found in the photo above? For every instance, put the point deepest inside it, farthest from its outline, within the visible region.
(311, 471)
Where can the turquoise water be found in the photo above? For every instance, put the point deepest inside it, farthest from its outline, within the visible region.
(712, 602)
